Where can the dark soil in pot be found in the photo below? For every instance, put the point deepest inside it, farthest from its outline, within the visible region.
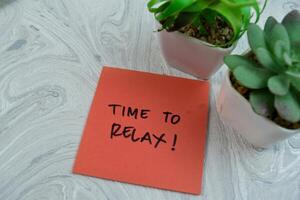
(218, 33)
(275, 117)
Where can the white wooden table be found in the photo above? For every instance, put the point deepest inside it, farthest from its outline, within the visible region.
(51, 53)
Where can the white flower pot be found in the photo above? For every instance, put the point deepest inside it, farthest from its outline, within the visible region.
(237, 112)
(191, 55)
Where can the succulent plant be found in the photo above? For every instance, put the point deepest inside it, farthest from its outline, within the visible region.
(176, 14)
(274, 76)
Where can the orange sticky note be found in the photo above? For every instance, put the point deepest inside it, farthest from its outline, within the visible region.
(146, 129)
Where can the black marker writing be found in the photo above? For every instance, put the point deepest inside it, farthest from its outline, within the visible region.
(174, 119)
(129, 111)
(130, 132)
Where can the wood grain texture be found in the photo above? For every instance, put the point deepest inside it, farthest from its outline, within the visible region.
(51, 53)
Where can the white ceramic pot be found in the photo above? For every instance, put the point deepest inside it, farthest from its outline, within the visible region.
(191, 55)
(237, 112)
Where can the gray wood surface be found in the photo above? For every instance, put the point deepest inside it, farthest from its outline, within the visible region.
(51, 53)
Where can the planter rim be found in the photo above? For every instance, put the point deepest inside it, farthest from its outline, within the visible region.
(198, 41)
(246, 102)
(201, 42)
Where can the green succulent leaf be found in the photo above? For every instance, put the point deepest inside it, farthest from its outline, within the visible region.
(256, 37)
(262, 102)
(269, 25)
(295, 82)
(288, 107)
(287, 59)
(252, 77)
(233, 61)
(293, 72)
(279, 51)
(274, 81)
(279, 85)
(296, 51)
(292, 23)
(294, 76)
(266, 59)
(279, 33)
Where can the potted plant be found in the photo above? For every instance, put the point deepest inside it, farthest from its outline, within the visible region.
(260, 96)
(196, 34)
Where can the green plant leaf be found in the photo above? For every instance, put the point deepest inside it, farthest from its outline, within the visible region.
(295, 82)
(183, 19)
(232, 16)
(292, 23)
(279, 51)
(245, 6)
(199, 25)
(279, 85)
(294, 75)
(198, 6)
(269, 25)
(288, 107)
(287, 59)
(266, 60)
(246, 12)
(155, 6)
(252, 77)
(279, 33)
(296, 51)
(233, 61)
(262, 102)
(256, 37)
(174, 8)
(169, 23)
(172, 14)
(293, 72)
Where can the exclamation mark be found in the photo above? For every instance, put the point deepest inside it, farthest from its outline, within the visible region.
(174, 142)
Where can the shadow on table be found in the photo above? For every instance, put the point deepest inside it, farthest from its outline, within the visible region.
(4, 3)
